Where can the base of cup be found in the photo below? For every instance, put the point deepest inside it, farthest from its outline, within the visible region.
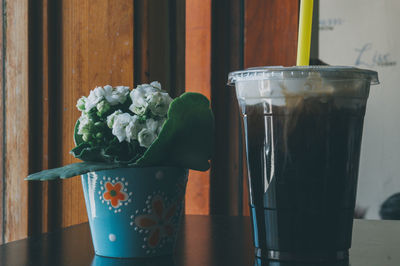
(302, 256)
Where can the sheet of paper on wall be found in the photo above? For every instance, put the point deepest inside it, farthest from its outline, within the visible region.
(366, 34)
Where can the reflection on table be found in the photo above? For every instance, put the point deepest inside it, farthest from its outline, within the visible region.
(157, 261)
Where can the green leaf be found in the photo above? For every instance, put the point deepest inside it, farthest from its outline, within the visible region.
(72, 170)
(87, 153)
(187, 136)
(124, 152)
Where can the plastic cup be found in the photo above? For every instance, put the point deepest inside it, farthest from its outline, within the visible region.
(303, 129)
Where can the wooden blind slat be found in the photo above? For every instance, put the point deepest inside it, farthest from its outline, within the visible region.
(45, 113)
(1, 123)
(198, 79)
(226, 177)
(270, 32)
(16, 130)
(141, 46)
(179, 47)
(159, 42)
(49, 128)
(35, 77)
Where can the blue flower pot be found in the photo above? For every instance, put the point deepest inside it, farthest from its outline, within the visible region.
(134, 212)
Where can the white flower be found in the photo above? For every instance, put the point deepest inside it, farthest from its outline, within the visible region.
(108, 89)
(85, 124)
(111, 117)
(102, 107)
(121, 121)
(159, 103)
(148, 88)
(116, 95)
(152, 125)
(146, 137)
(95, 96)
(143, 94)
(122, 90)
(133, 128)
(112, 95)
(80, 104)
(156, 84)
(139, 103)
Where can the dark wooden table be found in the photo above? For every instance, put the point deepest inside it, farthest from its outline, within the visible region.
(204, 240)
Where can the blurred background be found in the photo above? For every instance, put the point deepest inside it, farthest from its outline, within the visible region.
(54, 51)
(365, 34)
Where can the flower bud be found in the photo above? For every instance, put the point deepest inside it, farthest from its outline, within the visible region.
(102, 107)
(81, 103)
(86, 137)
(85, 124)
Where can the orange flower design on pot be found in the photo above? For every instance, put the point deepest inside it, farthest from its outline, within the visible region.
(159, 223)
(114, 194)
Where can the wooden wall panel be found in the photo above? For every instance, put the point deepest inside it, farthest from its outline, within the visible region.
(179, 46)
(16, 120)
(141, 45)
(270, 32)
(227, 53)
(97, 49)
(35, 114)
(198, 79)
(47, 99)
(161, 44)
(2, 154)
(44, 197)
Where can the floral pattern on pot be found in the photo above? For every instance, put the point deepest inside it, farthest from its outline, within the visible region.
(114, 192)
(158, 223)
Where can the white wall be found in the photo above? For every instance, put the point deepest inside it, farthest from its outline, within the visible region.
(366, 34)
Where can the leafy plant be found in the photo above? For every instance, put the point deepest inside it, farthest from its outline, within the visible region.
(185, 140)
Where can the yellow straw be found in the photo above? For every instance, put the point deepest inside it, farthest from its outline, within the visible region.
(304, 37)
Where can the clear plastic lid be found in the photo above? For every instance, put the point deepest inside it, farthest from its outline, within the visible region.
(300, 72)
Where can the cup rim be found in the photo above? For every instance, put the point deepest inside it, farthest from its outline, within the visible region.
(301, 72)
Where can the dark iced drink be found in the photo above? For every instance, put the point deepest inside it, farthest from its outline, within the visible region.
(303, 129)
